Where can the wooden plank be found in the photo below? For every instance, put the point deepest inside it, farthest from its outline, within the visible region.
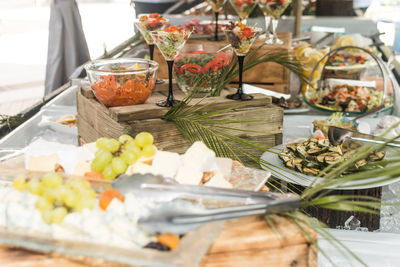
(97, 115)
(254, 232)
(295, 255)
(135, 112)
(246, 241)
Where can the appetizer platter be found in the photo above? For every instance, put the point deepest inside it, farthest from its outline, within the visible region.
(62, 199)
(308, 176)
(350, 96)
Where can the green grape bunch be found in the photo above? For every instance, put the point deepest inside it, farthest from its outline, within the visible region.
(57, 198)
(113, 157)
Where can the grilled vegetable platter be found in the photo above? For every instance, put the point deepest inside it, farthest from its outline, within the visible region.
(313, 155)
(301, 163)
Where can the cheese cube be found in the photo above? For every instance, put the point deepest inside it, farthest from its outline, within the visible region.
(199, 157)
(225, 166)
(188, 175)
(166, 164)
(82, 167)
(44, 163)
(219, 181)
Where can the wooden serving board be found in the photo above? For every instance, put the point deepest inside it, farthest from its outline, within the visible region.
(242, 242)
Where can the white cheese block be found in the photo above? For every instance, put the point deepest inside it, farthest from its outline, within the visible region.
(225, 166)
(166, 164)
(139, 167)
(188, 175)
(82, 167)
(218, 181)
(44, 163)
(199, 157)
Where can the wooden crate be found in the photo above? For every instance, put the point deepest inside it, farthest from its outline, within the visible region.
(267, 75)
(243, 242)
(96, 120)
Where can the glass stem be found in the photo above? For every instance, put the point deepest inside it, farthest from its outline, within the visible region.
(274, 24)
(170, 97)
(216, 26)
(241, 61)
(267, 24)
(151, 50)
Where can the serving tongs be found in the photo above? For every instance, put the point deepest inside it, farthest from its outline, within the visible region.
(179, 219)
(338, 135)
(166, 189)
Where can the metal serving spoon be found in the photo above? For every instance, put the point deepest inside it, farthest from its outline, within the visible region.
(179, 219)
(338, 135)
(168, 189)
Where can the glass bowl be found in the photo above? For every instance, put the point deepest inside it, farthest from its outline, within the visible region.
(200, 67)
(122, 81)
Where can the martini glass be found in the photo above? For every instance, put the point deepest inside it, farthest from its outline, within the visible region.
(243, 8)
(216, 6)
(146, 24)
(170, 41)
(273, 9)
(241, 38)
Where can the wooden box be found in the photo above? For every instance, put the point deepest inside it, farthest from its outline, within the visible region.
(267, 75)
(243, 242)
(96, 120)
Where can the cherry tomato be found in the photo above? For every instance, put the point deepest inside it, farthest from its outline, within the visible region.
(193, 68)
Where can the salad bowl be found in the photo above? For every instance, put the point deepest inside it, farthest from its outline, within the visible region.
(201, 66)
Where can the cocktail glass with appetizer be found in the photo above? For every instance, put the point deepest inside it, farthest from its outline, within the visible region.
(243, 8)
(241, 37)
(216, 6)
(273, 9)
(170, 41)
(148, 23)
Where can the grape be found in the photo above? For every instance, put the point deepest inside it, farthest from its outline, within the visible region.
(144, 139)
(87, 193)
(42, 204)
(59, 194)
(47, 216)
(124, 138)
(101, 142)
(112, 145)
(101, 161)
(118, 165)
(149, 150)
(108, 172)
(84, 203)
(58, 214)
(99, 151)
(70, 198)
(20, 183)
(52, 180)
(131, 146)
(85, 183)
(129, 157)
(35, 187)
(49, 194)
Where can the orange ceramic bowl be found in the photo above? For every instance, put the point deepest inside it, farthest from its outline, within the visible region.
(123, 81)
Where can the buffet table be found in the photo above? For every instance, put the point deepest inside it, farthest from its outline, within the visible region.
(40, 126)
(243, 241)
